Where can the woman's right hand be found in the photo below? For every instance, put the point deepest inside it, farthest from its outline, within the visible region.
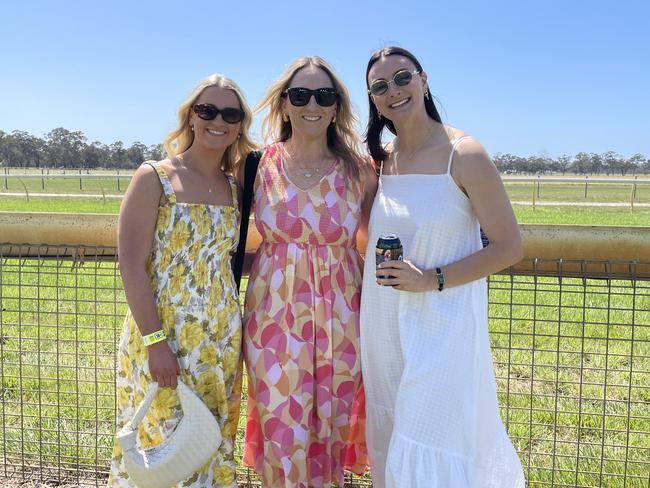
(163, 364)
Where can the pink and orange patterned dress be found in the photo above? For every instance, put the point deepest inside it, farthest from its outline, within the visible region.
(301, 330)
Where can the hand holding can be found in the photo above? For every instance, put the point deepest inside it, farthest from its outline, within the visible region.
(389, 248)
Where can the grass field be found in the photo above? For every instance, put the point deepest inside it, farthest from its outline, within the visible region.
(572, 357)
(588, 215)
(596, 192)
(573, 373)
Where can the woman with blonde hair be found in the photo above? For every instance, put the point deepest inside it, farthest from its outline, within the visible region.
(301, 318)
(178, 226)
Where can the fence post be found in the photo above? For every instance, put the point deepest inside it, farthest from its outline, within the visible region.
(533, 196)
(537, 186)
(80, 186)
(118, 179)
(6, 173)
(42, 179)
(586, 178)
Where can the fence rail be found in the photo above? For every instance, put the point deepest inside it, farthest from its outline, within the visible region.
(570, 340)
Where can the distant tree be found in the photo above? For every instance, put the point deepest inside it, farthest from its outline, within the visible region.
(64, 148)
(612, 163)
(581, 163)
(596, 165)
(135, 154)
(563, 163)
(28, 150)
(636, 163)
(95, 155)
(117, 155)
(156, 152)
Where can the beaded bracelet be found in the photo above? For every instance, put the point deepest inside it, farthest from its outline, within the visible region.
(154, 337)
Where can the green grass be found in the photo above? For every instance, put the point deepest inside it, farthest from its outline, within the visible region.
(564, 192)
(44, 204)
(569, 192)
(582, 215)
(640, 216)
(583, 351)
(65, 185)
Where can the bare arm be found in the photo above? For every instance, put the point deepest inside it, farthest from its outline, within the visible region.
(369, 182)
(135, 232)
(477, 175)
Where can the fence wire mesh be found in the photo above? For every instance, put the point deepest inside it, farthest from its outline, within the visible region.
(571, 356)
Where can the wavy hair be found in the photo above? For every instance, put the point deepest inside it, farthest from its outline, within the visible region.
(181, 138)
(342, 139)
(376, 122)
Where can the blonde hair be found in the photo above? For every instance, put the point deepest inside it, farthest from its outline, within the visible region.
(342, 138)
(181, 138)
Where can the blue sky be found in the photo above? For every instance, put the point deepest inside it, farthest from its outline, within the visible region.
(524, 77)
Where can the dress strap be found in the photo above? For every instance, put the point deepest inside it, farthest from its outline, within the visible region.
(381, 168)
(455, 144)
(164, 181)
(233, 189)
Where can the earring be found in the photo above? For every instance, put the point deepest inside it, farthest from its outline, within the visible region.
(334, 120)
(192, 128)
(426, 94)
(285, 118)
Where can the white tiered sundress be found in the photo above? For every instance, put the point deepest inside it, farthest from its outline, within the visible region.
(433, 417)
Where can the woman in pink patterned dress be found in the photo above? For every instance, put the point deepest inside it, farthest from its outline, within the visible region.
(301, 321)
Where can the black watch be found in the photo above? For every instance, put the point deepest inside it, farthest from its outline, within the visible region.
(440, 276)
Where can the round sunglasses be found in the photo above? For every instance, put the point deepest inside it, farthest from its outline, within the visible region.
(207, 111)
(402, 78)
(299, 96)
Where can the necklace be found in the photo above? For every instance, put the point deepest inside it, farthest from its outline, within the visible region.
(181, 163)
(305, 171)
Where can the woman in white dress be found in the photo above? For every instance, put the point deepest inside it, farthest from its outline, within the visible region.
(433, 417)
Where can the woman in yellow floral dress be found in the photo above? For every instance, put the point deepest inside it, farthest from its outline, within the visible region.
(177, 229)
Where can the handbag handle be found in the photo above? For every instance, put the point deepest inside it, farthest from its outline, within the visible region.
(144, 406)
(128, 436)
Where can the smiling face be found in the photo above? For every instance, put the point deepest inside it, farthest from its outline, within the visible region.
(311, 120)
(216, 133)
(398, 103)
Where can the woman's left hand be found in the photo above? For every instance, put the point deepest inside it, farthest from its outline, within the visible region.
(405, 276)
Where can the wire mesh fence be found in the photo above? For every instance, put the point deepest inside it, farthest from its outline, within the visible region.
(571, 355)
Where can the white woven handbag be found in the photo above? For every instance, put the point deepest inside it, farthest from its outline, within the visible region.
(195, 439)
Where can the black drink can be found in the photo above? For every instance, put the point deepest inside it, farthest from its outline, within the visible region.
(389, 248)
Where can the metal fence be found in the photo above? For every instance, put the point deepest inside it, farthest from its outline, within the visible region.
(571, 355)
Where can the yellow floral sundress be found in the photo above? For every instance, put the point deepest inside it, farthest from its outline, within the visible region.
(198, 306)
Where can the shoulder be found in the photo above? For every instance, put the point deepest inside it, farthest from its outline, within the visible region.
(146, 176)
(470, 154)
(472, 165)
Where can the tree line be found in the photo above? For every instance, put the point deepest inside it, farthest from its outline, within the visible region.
(61, 148)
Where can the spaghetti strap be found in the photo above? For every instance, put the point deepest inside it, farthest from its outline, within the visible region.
(381, 168)
(164, 181)
(455, 144)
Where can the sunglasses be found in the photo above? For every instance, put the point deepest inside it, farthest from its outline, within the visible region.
(207, 111)
(402, 78)
(299, 97)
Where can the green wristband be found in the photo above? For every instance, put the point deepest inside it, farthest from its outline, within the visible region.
(154, 337)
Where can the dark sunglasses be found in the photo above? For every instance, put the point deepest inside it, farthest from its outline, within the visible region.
(299, 97)
(207, 111)
(402, 78)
